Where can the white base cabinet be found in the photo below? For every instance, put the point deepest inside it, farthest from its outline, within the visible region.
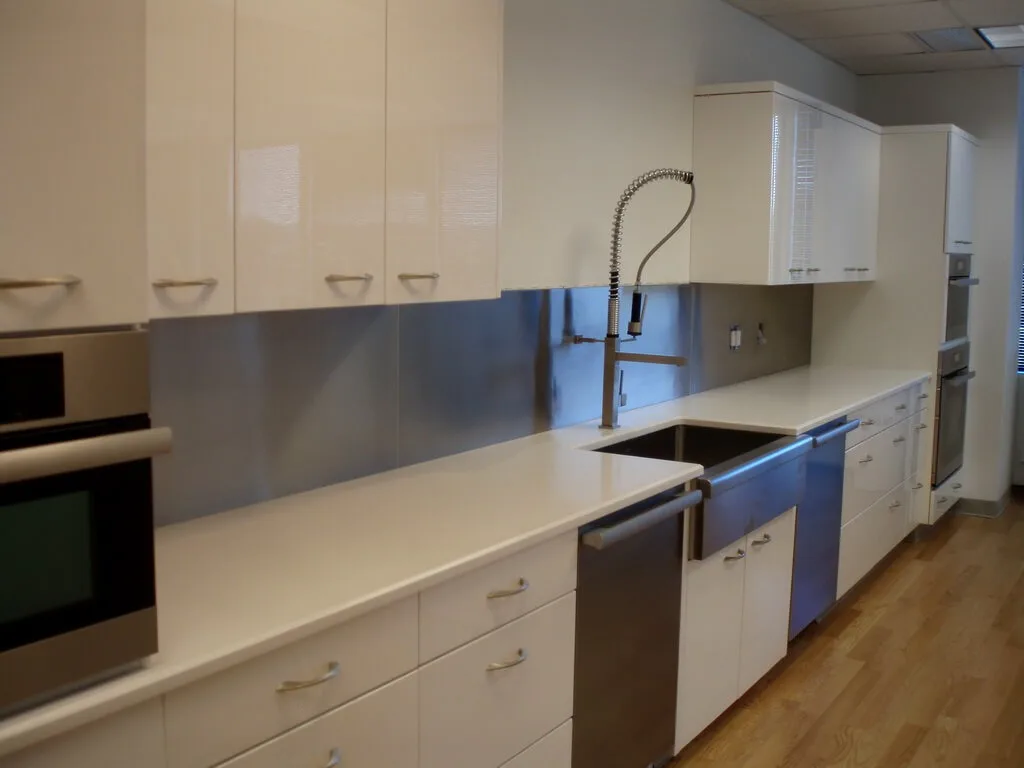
(735, 623)
(553, 751)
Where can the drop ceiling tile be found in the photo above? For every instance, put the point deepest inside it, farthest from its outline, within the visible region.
(1011, 57)
(770, 7)
(989, 13)
(866, 45)
(852, 22)
(921, 62)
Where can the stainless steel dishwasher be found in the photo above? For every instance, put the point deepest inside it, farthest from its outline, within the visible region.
(630, 581)
(819, 522)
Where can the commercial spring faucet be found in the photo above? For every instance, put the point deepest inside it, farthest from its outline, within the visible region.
(613, 354)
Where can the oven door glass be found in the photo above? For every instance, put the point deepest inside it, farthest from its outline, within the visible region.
(75, 549)
(949, 449)
(958, 298)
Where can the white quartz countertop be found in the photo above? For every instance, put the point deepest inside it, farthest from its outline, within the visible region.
(239, 584)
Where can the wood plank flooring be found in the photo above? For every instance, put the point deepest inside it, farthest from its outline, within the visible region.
(922, 666)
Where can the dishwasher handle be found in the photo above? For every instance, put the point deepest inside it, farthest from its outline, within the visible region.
(832, 434)
(602, 538)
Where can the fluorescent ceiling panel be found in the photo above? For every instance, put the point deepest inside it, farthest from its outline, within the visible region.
(1004, 37)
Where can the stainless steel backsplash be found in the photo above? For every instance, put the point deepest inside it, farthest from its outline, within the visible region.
(270, 404)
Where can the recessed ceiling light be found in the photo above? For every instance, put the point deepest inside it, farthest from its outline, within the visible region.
(1004, 37)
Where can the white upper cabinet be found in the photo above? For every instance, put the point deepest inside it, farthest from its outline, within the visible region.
(190, 144)
(310, 104)
(443, 149)
(787, 189)
(72, 168)
(960, 194)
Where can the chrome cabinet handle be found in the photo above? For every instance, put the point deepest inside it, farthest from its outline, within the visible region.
(766, 539)
(334, 760)
(923, 397)
(348, 278)
(918, 487)
(943, 499)
(740, 554)
(521, 587)
(867, 459)
(333, 670)
(901, 407)
(794, 270)
(496, 666)
(849, 269)
(895, 505)
(963, 242)
(207, 282)
(919, 427)
(898, 440)
(66, 281)
(957, 486)
(814, 269)
(867, 423)
(863, 269)
(419, 276)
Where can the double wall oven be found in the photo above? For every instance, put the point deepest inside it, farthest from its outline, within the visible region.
(954, 373)
(77, 585)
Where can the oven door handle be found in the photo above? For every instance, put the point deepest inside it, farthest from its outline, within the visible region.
(77, 455)
(964, 282)
(959, 381)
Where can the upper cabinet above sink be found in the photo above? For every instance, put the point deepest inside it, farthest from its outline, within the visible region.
(787, 189)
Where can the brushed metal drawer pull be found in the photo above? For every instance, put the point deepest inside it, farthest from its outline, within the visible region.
(814, 269)
(335, 759)
(957, 486)
(919, 427)
(521, 586)
(497, 666)
(795, 270)
(204, 282)
(863, 269)
(418, 276)
(867, 422)
(923, 397)
(740, 554)
(902, 407)
(66, 281)
(895, 505)
(767, 539)
(943, 499)
(348, 278)
(333, 670)
(849, 269)
(898, 440)
(963, 242)
(918, 487)
(867, 459)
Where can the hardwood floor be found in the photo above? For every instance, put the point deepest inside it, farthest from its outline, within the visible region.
(922, 666)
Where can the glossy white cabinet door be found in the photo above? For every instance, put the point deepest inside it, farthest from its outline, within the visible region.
(768, 584)
(443, 145)
(553, 751)
(133, 738)
(960, 195)
(72, 168)
(190, 144)
(713, 627)
(795, 134)
(859, 175)
(310, 153)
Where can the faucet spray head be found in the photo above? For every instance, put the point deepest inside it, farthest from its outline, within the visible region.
(636, 315)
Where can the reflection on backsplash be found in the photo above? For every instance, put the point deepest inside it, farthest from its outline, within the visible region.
(269, 404)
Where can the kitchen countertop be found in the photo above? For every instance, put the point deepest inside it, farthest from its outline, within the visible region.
(238, 584)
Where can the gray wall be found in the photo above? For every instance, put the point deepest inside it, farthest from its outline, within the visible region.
(266, 405)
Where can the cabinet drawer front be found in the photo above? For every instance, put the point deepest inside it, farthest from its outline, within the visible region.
(878, 416)
(468, 607)
(476, 716)
(874, 468)
(921, 396)
(230, 712)
(919, 454)
(871, 536)
(945, 497)
(379, 729)
(553, 751)
(132, 738)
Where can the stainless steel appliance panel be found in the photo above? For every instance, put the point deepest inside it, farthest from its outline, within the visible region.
(958, 301)
(103, 375)
(819, 523)
(628, 606)
(951, 411)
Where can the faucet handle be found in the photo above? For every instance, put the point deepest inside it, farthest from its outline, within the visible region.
(622, 392)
